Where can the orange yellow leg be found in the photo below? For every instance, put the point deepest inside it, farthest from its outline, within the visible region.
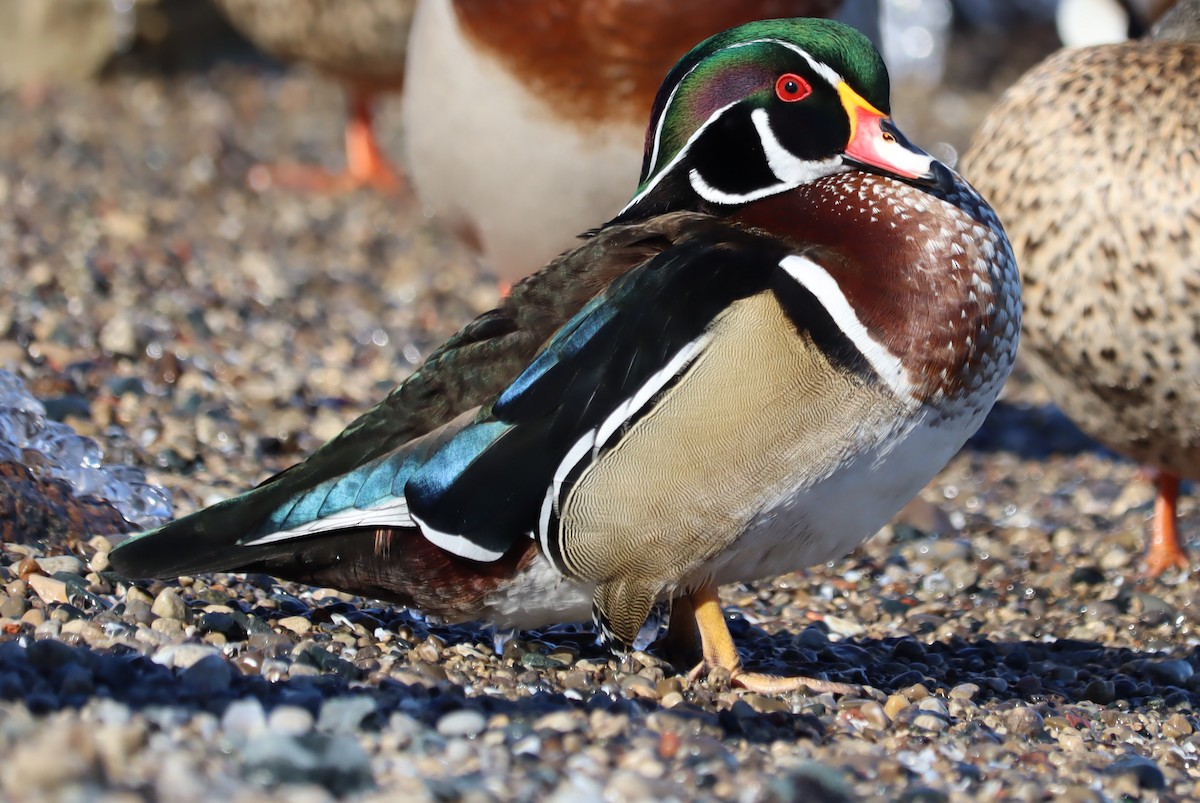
(719, 651)
(366, 164)
(1165, 551)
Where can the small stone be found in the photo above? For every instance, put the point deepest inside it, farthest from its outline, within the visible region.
(1171, 673)
(1024, 722)
(290, 719)
(169, 605)
(1145, 771)
(915, 693)
(117, 336)
(345, 714)
(48, 588)
(929, 721)
(244, 719)
(462, 723)
(62, 563)
(181, 656)
(1100, 691)
(48, 655)
(209, 675)
(297, 624)
(223, 624)
(1176, 727)
(1087, 575)
(875, 715)
(964, 691)
(13, 607)
(99, 562)
(895, 704)
(560, 722)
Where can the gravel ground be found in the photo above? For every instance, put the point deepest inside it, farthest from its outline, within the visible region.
(213, 336)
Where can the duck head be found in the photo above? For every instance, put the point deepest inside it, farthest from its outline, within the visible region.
(765, 107)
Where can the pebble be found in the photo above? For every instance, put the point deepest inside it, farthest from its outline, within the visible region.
(181, 656)
(244, 719)
(1145, 771)
(290, 719)
(297, 624)
(61, 563)
(210, 674)
(169, 605)
(462, 723)
(345, 714)
(1024, 722)
(49, 589)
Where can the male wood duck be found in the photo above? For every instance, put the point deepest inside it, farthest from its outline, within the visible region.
(361, 43)
(524, 123)
(1091, 160)
(791, 327)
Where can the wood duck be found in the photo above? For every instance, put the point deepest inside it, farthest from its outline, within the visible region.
(361, 43)
(524, 123)
(791, 327)
(1091, 160)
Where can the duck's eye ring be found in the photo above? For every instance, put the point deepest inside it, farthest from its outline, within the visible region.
(791, 88)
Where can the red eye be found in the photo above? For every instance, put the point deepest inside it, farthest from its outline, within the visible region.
(791, 88)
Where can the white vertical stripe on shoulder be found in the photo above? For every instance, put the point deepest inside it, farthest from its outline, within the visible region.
(825, 288)
(631, 406)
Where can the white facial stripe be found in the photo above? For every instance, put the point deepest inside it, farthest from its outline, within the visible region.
(679, 156)
(457, 544)
(671, 99)
(392, 513)
(823, 286)
(710, 193)
(820, 68)
(786, 166)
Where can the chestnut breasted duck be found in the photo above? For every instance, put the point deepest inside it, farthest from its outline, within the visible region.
(524, 123)
(791, 327)
(1092, 162)
(361, 43)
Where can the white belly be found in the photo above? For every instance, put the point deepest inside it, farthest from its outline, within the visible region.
(815, 523)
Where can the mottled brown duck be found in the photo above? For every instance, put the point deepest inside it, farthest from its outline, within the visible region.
(1093, 161)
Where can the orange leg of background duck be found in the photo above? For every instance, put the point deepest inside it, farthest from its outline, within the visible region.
(366, 164)
(1165, 551)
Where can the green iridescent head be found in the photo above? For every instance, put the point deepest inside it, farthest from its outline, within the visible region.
(764, 107)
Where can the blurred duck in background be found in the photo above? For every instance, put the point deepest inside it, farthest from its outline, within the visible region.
(1092, 161)
(361, 43)
(1083, 23)
(524, 119)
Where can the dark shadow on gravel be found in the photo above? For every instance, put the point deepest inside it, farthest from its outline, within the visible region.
(1033, 432)
(48, 675)
(1064, 670)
